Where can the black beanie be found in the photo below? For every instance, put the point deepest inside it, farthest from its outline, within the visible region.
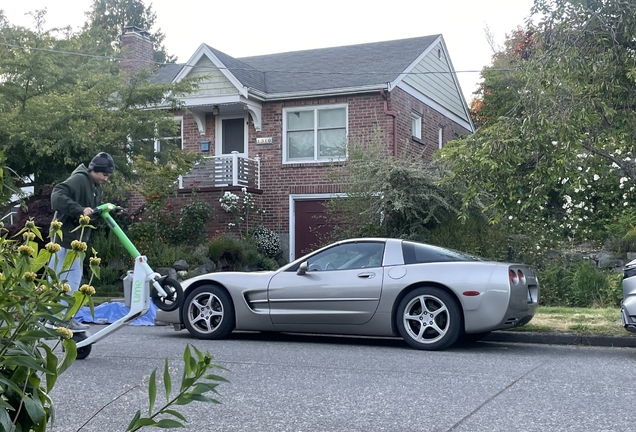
(103, 162)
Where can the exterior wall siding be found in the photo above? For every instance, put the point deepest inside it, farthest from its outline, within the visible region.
(213, 82)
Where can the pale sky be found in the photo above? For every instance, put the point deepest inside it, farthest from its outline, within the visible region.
(242, 28)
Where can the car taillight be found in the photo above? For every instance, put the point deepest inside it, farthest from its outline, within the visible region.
(512, 275)
(522, 277)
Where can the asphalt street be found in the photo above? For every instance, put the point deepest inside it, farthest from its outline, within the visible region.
(302, 383)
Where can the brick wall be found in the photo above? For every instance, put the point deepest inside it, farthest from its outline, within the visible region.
(138, 50)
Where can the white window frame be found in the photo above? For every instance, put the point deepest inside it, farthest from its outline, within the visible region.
(416, 125)
(218, 134)
(157, 144)
(315, 109)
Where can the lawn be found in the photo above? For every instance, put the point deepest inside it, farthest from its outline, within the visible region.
(597, 321)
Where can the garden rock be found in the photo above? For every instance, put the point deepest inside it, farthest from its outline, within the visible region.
(604, 260)
(631, 256)
(181, 265)
(167, 271)
(209, 265)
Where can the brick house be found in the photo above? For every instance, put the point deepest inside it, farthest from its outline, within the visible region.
(275, 123)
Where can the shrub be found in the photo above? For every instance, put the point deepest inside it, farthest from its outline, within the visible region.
(578, 285)
(194, 216)
(267, 241)
(226, 248)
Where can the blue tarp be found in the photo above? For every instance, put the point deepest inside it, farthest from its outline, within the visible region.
(108, 313)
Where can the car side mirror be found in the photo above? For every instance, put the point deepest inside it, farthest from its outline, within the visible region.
(302, 269)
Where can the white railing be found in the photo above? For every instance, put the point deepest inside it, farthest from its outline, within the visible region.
(227, 170)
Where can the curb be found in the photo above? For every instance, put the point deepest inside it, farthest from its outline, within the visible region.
(562, 339)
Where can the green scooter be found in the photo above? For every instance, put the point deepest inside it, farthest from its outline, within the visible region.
(167, 294)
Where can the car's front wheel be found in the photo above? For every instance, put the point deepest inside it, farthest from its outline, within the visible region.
(208, 312)
(429, 318)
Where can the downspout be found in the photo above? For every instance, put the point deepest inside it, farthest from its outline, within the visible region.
(392, 114)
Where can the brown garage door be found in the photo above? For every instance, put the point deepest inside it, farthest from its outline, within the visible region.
(311, 224)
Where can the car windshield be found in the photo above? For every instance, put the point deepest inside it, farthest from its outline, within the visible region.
(415, 253)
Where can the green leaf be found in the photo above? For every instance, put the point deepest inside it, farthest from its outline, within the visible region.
(167, 380)
(34, 408)
(51, 366)
(152, 391)
(131, 425)
(169, 424)
(5, 419)
(70, 354)
(144, 422)
(174, 413)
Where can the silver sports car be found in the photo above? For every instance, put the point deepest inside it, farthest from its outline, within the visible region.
(628, 307)
(428, 295)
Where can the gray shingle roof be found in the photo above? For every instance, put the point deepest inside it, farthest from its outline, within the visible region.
(345, 67)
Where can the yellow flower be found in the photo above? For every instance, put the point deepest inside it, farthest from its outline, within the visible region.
(66, 288)
(29, 276)
(87, 289)
(77, 245)
(84, 220)
(64, 332)
(40, 289)
(56, 225)
(28, 236)
(53, 247)
(25, 250)
(30, 224)
(95, 261)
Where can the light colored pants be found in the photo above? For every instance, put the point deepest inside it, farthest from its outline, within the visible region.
(73, 275)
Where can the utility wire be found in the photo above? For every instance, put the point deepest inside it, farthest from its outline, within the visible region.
(182, 65)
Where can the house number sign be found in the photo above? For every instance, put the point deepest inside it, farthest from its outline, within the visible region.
(265, 140)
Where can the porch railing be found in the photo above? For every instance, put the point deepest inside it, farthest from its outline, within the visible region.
(227, 170)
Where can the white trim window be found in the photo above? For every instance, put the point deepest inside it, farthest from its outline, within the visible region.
(231, 135)
(416, 125)
(176, 140)
(315, 133)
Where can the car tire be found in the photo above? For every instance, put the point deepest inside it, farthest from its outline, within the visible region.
(429, 318)
(208, 312)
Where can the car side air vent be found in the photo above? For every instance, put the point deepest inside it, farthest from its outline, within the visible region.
(511, 321)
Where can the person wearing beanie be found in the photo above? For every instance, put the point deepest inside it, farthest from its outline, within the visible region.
(78, 195)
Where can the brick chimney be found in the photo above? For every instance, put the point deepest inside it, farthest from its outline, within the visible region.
(138, 50)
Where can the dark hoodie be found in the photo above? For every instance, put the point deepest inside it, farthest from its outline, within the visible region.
(69, 199)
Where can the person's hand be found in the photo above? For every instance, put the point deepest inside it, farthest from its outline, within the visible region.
(88, 211)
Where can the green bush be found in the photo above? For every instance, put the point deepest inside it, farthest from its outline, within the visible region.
(194, 216)
(474, 235)
(578, 285)
(239, 254)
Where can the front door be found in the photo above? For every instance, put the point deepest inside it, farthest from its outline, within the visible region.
(231, 136)
(342, 286)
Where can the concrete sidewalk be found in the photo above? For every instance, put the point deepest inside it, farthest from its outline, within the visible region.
(629, 340)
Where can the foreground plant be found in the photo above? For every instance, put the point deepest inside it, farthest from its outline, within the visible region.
(31, 294)
(195, 369)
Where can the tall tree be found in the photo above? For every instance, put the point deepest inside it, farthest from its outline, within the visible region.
(560, 156)
(60, 104)
(107, 20)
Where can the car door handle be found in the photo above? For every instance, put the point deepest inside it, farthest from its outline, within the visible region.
(366, 275)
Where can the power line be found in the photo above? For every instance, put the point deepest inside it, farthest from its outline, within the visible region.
(182, 65)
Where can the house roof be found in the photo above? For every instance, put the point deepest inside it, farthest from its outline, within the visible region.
(353, 66)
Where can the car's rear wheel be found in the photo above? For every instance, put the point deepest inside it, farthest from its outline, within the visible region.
(429, 318)
(208, 312)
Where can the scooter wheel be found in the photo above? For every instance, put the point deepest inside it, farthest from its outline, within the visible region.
(84, 351)
(174, 298)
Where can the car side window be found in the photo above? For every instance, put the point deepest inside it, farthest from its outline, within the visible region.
(348, 256)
